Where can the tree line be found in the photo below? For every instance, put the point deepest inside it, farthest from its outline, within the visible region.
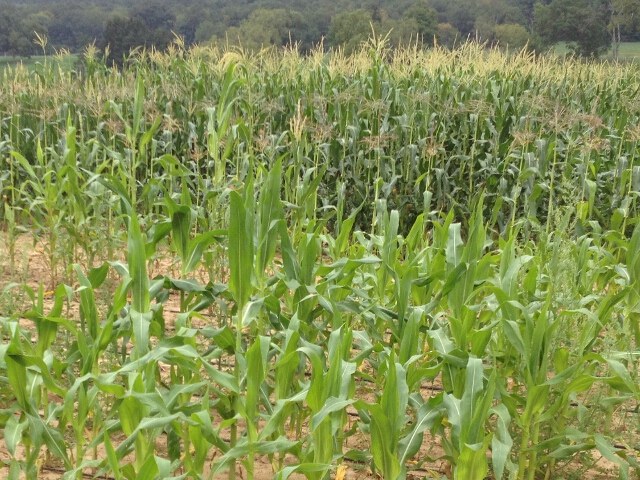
(590, 27)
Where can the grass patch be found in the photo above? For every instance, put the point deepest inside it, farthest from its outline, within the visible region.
(67, 62)
(627, 51)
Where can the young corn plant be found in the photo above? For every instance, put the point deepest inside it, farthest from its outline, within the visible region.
(387, 421)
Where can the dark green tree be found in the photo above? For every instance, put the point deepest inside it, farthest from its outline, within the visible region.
(349, 29)
(461, 14)
(7, 20)
(625, 21)
(22, 32)
(511, 35)
(582, 23)
(425, 17)
(492, 14)
(87, 23)
(159, 22)
(266, 27)
(447, 35)
(121, 35)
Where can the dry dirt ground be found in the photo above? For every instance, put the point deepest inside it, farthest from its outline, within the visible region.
(32, 267)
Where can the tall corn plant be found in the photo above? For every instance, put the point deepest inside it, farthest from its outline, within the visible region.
(253, 232)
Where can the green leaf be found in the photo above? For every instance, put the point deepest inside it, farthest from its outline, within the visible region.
(280, 445)
(453, 408)
(341, 241)
(270, 214)
(623, 374)
(537, 398)
(302, 469)
(454, 245)
(395, 397)
(88, 308)
(13, 433)
(112, 458)
(24, 163)
(427, 416)
(149, 468)
(255, 374)
(251, 311)
(469, 402)
(223, 379)
(130, 412)
(383, 436)
(181, 230)
(138, 106)
(17, 376)
(332, 404)
(145, 424)
(141, 323)
(98, 275)
(611, 453)
(137, 260)
(568, 451)
(289, 258)
(472, 463)
(410, 336)
(501, 443)
(240, 251)
(198, 245)
(53, 439)
(148, 136)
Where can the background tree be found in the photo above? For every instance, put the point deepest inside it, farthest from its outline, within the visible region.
(581, 23)
(266, 27)
(512, 35)
(190, 18)
(22, 33)
(425, 17)
(625, 21)
(493, 13)
(398, 31)
(447, 35)
(74, 23)
(348, 30)
(461, 14)
(159, 23)
(526, 8)
(121, 35)
(7, 19)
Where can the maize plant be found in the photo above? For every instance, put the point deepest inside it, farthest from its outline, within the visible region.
(390, 264)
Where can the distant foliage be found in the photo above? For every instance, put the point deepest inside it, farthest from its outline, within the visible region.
(583, 23)
(589, 26)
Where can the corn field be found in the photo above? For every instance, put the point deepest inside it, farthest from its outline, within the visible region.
(395, 264)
